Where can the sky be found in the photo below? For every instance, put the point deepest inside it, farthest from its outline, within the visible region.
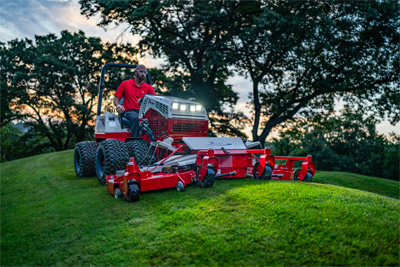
(27, 18)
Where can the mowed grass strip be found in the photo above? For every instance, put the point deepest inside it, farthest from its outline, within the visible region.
(51, 217)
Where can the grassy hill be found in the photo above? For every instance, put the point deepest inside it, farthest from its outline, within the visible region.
(51, 217)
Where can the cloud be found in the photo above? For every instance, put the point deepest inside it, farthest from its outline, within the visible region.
(27, 18)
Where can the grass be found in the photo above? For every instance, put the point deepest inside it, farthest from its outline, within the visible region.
(380, 186)
(51, 217)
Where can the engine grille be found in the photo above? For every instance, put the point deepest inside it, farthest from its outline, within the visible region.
(156, 126)
(189, 127)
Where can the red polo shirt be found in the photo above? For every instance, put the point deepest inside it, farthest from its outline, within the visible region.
(131, 93)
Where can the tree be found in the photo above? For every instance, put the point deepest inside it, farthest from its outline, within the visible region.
(345, 142)
(302, 55)
(192, 36)
(51, 83)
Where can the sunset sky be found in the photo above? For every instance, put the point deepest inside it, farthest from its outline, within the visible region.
(27, 18)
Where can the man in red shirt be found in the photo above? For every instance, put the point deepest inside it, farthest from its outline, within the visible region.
(132, 91)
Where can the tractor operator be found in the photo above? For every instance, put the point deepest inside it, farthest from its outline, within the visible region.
(132, 91)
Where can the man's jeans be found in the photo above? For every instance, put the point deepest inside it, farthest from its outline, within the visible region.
(133, 117)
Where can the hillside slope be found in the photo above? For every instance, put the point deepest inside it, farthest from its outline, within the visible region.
(51, 217)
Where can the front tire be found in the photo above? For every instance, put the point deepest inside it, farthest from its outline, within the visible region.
(112, 155)
(141, 151)
(85, 158)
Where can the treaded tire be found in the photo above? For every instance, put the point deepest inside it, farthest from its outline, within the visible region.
(138, 149)
(85, 158)
(208, 180)
(112, 155)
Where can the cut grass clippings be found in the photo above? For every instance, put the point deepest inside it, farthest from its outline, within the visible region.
(51, 217)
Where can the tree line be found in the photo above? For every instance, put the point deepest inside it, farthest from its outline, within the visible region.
(300, 56)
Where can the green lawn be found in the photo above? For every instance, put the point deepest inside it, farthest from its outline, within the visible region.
(380, 186)
(51, 217)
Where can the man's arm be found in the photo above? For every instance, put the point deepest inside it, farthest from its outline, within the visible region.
(119, 107)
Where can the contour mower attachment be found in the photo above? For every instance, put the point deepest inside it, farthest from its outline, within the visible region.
(262, 168)
(168, 173)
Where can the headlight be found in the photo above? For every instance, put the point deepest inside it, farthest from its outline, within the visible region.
(175, 105)
(198, 107)
(182, 107)
(192, 108)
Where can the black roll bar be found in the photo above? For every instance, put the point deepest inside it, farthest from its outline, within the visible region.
(102, 85)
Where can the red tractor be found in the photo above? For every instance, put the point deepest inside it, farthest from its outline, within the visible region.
(174, 150)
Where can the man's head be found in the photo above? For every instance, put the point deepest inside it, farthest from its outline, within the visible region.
(141, 72)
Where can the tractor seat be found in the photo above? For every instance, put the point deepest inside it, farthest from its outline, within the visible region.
(125, 123)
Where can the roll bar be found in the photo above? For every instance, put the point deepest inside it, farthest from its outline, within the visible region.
(102, 85)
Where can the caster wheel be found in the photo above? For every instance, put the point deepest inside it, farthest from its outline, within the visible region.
(180, 186)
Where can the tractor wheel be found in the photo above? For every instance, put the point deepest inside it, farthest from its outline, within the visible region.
(209, 178)
(85, 158)
(265, 175)
(138, 149)
(112, 155)
(133, 193)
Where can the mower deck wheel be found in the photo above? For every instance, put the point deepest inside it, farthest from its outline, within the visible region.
(308, 177)
(85, 158)
(180, 186)
(262, 175)
(133, 193)
(117, 193)
(209, 178)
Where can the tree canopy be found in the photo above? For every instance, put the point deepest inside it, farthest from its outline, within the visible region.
(303, 55)
(192, 36)
(51, 83)
(300, 55)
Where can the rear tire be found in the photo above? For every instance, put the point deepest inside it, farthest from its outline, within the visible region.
(112, 155)
(138, 149)
(85, 158)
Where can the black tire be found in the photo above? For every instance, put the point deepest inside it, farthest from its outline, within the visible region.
(85, 158)
(296, 175)
(139, 149)
(265, 175)
(112, 155)
(133, 193)
(208, 180)
(257, 175)
(308, 177)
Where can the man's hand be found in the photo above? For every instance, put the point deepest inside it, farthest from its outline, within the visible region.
(120, 109)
